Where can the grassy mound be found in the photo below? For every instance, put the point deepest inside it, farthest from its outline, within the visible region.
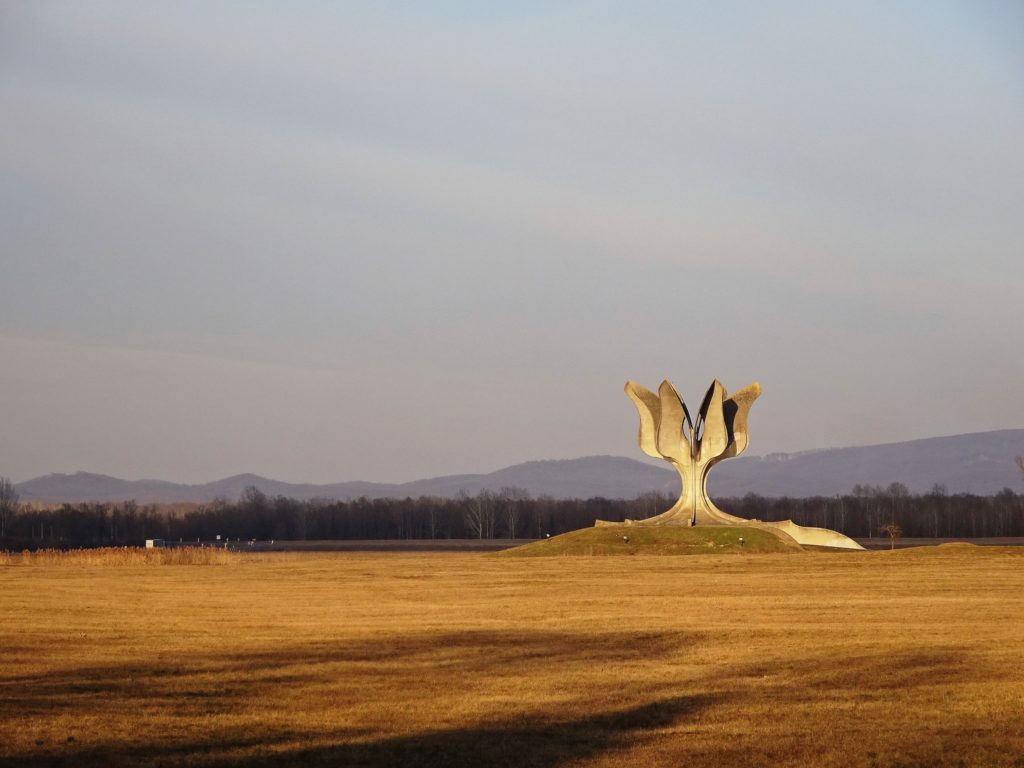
(655, 540)
(958, 549)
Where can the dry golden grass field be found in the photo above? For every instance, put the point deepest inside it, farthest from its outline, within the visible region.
(905, 658)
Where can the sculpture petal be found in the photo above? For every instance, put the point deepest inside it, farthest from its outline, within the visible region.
(736, 408)
(715, 437)
(648, 405)
(670, 425)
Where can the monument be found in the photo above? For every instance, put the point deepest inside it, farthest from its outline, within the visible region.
(693, 447)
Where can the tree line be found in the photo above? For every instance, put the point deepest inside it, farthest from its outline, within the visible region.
(508, 513)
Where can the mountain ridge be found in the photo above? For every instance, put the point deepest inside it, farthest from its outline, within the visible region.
(978, 462)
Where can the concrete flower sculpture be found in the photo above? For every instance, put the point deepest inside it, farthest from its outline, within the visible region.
(694, 447)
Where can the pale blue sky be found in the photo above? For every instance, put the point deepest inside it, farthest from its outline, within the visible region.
(325, 242)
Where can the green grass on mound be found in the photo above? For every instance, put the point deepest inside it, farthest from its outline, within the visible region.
(654, 540)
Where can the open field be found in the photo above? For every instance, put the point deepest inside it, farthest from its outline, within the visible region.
(903, 658)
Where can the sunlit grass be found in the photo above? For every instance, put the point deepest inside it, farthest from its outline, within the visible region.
(118, 556)
(878, 658)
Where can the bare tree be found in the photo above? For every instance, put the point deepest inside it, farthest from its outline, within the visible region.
(471, 514)
(897, 492)
(511, 496)
(893, 531)
(252, 497)
(8, 503)
(488, 506)
(480, 513)
(1020, 464)
(936, 500)
(541, 512)
(432, 520)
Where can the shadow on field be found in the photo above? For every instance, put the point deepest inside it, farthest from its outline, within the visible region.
(874, 673)
(214, 684)
(323, 682)
(536, 743)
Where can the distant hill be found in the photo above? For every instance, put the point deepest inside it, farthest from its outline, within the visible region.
(980, 463)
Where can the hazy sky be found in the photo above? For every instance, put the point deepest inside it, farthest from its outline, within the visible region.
(391, 240)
